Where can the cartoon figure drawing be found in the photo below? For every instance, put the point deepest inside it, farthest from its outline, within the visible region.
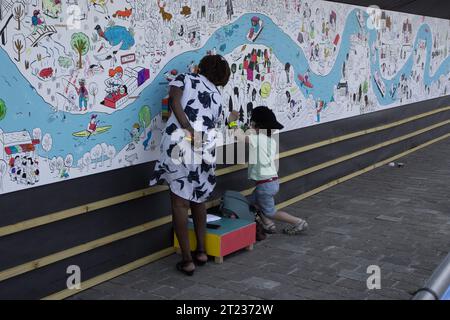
(135, 136)
(92, 126)
(115, 82)
(100, 32)
(255, 30)
(83, 95)
(52, 8)
(99, 5)
(304, 80)
(116, 35)
(24, 170)
(166, 16)
(36, 20)
(186, 11)
(123, 14)
(230, 10)
(148, 140)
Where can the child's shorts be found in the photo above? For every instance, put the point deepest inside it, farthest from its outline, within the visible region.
(263, 197)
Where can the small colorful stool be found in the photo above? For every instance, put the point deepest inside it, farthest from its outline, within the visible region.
(232, 235)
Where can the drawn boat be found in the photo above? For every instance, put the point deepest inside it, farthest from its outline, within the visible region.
(360, 17)
(379, 83)
(85, 133)
(304, 81)
(252, 34)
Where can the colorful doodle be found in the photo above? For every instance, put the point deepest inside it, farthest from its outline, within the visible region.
(93, 75)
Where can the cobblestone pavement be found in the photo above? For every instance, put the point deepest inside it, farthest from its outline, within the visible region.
(396, 218)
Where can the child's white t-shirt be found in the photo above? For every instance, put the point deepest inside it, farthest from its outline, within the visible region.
(262, 153)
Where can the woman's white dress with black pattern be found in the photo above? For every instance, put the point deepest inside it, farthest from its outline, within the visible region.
(191, 175)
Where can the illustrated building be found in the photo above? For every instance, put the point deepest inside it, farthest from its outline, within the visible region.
(16, 143)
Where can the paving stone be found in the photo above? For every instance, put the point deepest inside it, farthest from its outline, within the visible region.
(388, 218)
(261, 283)
(357, 276)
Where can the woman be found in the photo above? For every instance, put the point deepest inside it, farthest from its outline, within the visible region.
(187, 161)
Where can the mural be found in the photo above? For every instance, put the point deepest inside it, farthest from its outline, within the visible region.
(83, 82)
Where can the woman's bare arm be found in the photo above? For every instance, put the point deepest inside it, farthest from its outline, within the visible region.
(175, 95)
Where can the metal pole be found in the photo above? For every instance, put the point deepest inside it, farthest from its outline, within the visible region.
(438, 283)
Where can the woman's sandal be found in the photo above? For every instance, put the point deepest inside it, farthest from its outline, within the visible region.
(197, 261)
(181, 267)
(269, 228)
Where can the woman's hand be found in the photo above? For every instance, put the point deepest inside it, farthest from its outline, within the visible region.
(194, 137)
(234, 115)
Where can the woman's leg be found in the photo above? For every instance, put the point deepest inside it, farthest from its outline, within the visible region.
(180, 209)
(199, 217)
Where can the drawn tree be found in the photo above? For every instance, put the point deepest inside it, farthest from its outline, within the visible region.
(3, 109)
(52, 165)
(87, 160)
(104, 148)
(93, 90)
(3, 169)
(59, 164)
(37, 134)
(145, 117)
(365, 87)
(111, 154)
(68, 161)
(47, 143)
(80, 165)
(96, 153)
(19, 45)
(27, 4)
(19, 13)
(80, 44)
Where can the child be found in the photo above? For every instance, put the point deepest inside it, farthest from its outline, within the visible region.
(262, 170)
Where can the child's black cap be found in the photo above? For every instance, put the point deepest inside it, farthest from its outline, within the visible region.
(264, 118)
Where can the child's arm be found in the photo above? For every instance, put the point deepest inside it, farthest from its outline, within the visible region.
(232, 125)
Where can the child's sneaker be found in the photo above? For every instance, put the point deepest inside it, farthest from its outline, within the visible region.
(295, 229)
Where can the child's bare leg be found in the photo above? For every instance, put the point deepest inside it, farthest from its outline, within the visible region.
(286, 217)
